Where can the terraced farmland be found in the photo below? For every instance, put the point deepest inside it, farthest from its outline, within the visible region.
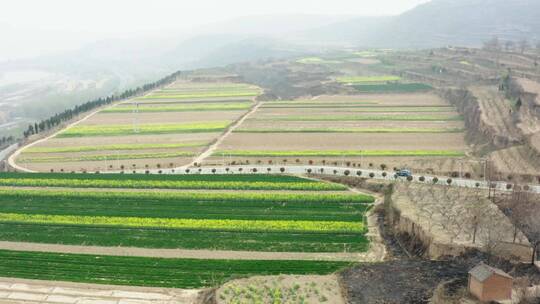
(166, 128)
(419, 131)
(127, 211)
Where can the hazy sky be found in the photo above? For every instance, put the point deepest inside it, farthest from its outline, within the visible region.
(49, 25)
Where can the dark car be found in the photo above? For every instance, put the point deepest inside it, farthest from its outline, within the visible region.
(404, 173)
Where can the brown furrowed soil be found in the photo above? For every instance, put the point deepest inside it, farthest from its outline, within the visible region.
(92, 166)
(340, 141)
(258, 124)
(390, 99)
(514, 160)
(497, 112)
(157, 118)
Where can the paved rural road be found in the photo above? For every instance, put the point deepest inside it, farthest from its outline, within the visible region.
(337, 171)
(4, 153)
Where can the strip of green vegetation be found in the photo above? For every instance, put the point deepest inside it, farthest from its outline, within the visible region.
(186, 239)
(187, 224)
(377, 117)
(123, 130)
(120, 147)
(368, 79)
(142, 271)
(374, 153)
(194, 205)
(104, 157)
(179, 182)
(349, 130)
(180, 108)
(202, 95)
(393, 88)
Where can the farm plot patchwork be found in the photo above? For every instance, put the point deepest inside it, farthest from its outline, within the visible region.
(307, 218)
(146, 132)
(353, 128)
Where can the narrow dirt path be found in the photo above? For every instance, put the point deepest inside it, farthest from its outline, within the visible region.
(210, 150)
(188, 254)
(40, 291)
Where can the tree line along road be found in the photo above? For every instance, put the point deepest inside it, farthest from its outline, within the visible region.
(338, 171)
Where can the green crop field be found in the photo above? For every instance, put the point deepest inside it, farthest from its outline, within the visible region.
(151, 272)
(349, 130)
(367, 117)
(120, 147)
(123, 130)
(104, 157)
(368, 79)
(181, 108)
(373, 153)
(392, 88)
(217, 182)
(258, 221)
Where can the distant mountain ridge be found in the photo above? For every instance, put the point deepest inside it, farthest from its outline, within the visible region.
(442, 22)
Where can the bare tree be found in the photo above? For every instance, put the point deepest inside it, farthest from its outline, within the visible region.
(491, 232)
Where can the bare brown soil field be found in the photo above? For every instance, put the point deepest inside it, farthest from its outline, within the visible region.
(150, 101)
(296, 111)
(91, 166)
(254, 124)
(496, 112)
(171, 117)
(390, 99)
(332, 141)
(514, 160)
(134, 139)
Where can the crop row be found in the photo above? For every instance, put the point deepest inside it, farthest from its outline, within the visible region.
(119, 130)
(386, 109)
(172, 184)
(349, 130)
(368, 79)
(104, 157)
(366, 153)
(119, 147)
(187, 239)
(153, 177)
(196, 206)
(143, 271)
(187, 224)
(302, 199)
(369, 117)
(180, 108)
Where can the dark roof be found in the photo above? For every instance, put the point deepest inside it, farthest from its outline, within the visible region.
(482, 272)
